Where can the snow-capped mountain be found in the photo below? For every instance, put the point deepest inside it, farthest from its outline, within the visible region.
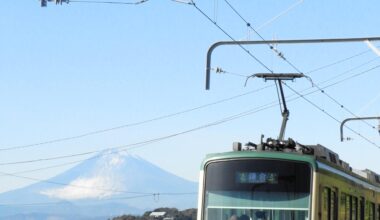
(109, 184)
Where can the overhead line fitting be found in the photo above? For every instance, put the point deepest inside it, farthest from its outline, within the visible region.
(44, 2)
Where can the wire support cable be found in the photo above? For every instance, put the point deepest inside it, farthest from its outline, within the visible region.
(330, 115)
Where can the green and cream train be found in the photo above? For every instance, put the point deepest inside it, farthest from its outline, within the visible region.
(285, 181)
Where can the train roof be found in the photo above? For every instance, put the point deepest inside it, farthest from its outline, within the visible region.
(290, 150)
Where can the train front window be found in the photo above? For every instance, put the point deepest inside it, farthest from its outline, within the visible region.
(257, 189)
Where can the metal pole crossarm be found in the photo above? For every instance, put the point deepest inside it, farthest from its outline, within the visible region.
(279, 76)
(299, 41)
(355, 119)
(44, 2)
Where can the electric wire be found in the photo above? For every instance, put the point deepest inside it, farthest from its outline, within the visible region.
(142, 143)
(51, 167)
(338, 62)
(59, 202)
(128, 147)
(229, 36)
(72, 185)
(280, 54)
(91, 133)
(91, 152)
(160, 117)
(92, 187)
(330, 115)
(280, 14)
(104, 199)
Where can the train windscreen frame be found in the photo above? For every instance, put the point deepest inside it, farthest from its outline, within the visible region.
(258, 189)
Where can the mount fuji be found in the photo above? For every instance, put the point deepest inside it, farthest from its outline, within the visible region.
(101, 187)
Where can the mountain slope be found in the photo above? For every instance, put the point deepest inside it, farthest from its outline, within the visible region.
(107, 185)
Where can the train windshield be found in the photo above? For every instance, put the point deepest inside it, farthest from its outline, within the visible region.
(257, 189)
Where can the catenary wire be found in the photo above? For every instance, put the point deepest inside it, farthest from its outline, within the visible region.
(156, 118)
(66, 156)
(330, 115)
(72, 185)
(230, 118)
(86, 187)
(287, 10)
(229, 36)
(58, 140)
(105, 199)
(280, 54)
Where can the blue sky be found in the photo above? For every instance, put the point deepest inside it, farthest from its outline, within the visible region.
(76, 68)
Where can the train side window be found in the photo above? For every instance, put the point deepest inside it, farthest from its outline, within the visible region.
(354, 208)
(326, 204)
(329, 204)
(343, 211)
(370, 211)
(373, 212)
(378, 212)
(362, 213)
(348, 207)
(333, 204)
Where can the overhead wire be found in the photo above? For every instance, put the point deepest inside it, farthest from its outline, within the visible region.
(91, 133)
(229, 36)
(123, 146)
(159, 117)
(104, 199)
(60, 202)
(100, 200)
(71, 185)
(92, 187)
(281, 55)
(128, 147)
(284, 12)
(86, 153)
(330, 115)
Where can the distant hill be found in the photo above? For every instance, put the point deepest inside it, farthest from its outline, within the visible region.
(109, 185)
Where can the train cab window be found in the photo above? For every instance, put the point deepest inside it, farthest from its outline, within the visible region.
(257, 188)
